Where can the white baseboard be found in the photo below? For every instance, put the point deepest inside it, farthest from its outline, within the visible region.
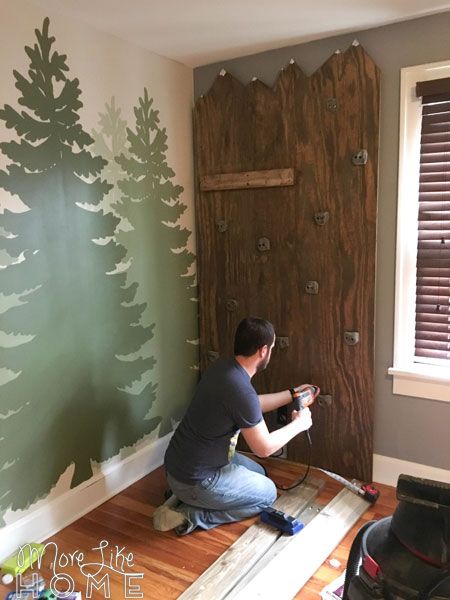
(387, 469)
(52, 516)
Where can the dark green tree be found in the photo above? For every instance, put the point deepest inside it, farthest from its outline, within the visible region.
(74, 391)
(151, 202)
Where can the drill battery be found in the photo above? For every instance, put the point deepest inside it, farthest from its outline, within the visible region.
(281, 521)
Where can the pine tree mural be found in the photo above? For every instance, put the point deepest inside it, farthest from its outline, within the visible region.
(72, 322)
(110, 141)
(151, 202)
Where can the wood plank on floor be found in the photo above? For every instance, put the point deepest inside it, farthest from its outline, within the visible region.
(301, 555)
(225, 573)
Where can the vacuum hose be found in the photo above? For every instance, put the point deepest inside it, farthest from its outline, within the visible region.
(354, 558)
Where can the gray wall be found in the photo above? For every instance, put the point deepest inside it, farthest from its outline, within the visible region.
(411, 429)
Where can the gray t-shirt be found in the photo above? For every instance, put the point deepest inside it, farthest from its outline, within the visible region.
(205, 440)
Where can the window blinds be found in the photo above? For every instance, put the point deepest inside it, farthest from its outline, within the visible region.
(433, 247)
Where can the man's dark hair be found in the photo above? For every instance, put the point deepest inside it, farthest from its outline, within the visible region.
(252, 333)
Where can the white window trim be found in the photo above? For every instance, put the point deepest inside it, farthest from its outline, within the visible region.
(411, 378)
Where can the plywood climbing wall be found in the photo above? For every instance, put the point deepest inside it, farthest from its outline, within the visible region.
(305, 222)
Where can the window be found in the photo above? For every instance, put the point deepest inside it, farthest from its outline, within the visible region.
(422, 310)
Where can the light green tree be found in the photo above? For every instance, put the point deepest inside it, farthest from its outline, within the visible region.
(151, 202)
(110, 141)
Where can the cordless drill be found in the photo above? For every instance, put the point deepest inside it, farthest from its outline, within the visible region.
(301, 400)
(305, 397)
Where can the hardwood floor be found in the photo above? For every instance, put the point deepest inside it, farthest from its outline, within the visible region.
(168, 563)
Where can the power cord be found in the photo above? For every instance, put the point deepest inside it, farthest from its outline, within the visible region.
(302, 479)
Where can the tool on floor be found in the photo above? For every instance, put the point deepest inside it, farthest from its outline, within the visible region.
(22, 559)
(367, 490)
(282, 521)
(33, 583)
(48, 594)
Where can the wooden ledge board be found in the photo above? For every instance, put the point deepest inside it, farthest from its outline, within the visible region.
(226, 572)
(247, 179)
(288, 564)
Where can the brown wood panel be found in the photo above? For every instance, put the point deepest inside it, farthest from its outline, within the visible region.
(219, 150)
(345, 257)
(315, 124)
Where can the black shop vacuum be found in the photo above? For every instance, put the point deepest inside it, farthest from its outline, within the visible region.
(406, 556)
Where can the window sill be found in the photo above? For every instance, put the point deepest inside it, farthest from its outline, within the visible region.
(422, 381)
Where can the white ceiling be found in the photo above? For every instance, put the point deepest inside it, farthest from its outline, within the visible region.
(198, 32)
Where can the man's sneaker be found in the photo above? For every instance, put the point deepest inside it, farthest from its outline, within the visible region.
(166, 518)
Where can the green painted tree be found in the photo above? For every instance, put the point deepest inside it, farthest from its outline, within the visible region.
(110, 140)
(72, 327)
(151, 202)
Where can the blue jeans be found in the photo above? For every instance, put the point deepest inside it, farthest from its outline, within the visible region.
(236, 491)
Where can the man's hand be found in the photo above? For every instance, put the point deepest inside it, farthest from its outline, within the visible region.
(313, 390)
(263, 443)
(302, 418)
